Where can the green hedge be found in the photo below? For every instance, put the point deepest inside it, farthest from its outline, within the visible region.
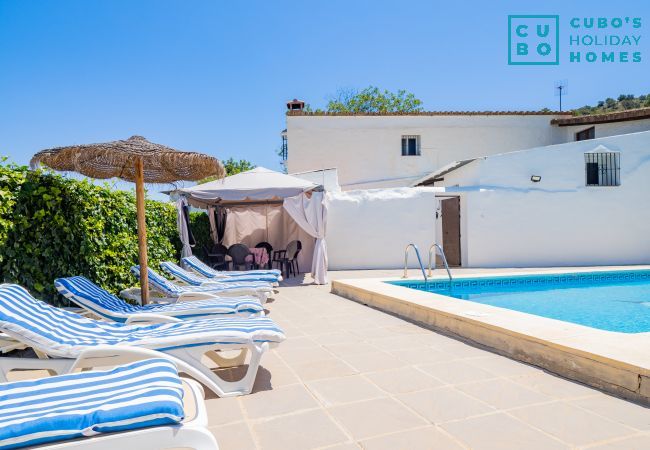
(200, 225)
(52, 226)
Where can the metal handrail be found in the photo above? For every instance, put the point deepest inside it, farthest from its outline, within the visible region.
(444, 259)
(406, 261)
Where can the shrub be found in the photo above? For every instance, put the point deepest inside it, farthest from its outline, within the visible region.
(200, 226)
(52, 226)
(11, 179)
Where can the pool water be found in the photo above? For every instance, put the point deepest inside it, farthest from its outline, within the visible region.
(613, 301)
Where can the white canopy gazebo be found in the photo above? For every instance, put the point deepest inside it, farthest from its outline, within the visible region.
(269, 206)
(256, 185)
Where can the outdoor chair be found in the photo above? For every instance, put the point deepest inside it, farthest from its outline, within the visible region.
(216, 256)
(173, 292)
(269, 250)
(102, 303)
(287, 259)
(240, 257)
(268, 275)
(65, 341)
(137, 405)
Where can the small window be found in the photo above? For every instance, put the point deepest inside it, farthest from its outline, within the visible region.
(603, 169)
(589, 133)
(410, 145)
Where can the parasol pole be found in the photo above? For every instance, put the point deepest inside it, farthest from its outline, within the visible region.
(142, 229)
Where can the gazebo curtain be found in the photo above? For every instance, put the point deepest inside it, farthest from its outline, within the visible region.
(213, 225)
(217, 216)
(222, 216)
(252, 224)
(183, 224)
(311, 215)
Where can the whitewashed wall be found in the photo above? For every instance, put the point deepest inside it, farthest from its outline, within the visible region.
(369, 229)
(511, 222)
(366, 150)
(328, 178)
(609, 129)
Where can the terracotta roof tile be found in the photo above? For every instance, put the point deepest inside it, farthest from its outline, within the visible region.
(618, 116)
(434, 113)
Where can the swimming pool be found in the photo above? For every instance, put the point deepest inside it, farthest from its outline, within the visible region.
(613, 301)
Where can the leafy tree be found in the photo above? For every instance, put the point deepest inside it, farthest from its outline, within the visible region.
(372, 100)
(622, 103)
(232, 167)
(280, 153)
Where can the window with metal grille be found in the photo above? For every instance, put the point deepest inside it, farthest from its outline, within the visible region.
(410, 145)
(603, 169)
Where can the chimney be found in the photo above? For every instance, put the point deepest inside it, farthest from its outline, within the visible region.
(295, 105)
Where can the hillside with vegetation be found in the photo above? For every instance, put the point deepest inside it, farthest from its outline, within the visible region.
(374, 100)
(609, 105)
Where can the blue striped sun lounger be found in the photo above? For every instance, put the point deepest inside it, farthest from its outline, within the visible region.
(193, 279)
(72, 341)
(93, 298)
(136, 403)
(174, 292)
(271, 275)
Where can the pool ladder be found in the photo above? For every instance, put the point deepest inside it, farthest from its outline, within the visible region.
(431, 265)
(406, 261)
(444, 260)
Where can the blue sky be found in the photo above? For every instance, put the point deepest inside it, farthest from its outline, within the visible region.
(214, 76)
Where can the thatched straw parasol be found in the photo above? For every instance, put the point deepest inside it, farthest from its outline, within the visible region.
(136, 160)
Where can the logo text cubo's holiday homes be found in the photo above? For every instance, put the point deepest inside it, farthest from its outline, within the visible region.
(602, 39)
(536, 40)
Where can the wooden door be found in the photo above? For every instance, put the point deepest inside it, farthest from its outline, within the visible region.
(450, 209)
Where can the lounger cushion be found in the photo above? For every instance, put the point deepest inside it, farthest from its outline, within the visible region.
(196, 264)
(90, 296)
(141, 394)
(195, 280)
(163, 285)
(65, 334)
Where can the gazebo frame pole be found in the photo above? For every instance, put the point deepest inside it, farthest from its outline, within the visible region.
(142, 229)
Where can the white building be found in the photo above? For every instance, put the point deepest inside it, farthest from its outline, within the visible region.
(519, 187)
(579, 203)
(393, 150)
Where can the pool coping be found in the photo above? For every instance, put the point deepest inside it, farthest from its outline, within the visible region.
(617, 363)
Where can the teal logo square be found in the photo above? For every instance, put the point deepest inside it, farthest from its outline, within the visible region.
(534, 40)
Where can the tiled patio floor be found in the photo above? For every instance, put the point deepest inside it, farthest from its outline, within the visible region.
(350, 377)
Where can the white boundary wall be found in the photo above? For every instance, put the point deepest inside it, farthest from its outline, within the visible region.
(369, 229)
(512, 222)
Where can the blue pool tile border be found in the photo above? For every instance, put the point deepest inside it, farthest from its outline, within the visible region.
(514, 281)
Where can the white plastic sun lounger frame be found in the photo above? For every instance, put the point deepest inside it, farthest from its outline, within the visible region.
(191, 434)
(176, 274)
(187, 359)
(261, 294)
(134, 294)
(221, 274)
(146, 317)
